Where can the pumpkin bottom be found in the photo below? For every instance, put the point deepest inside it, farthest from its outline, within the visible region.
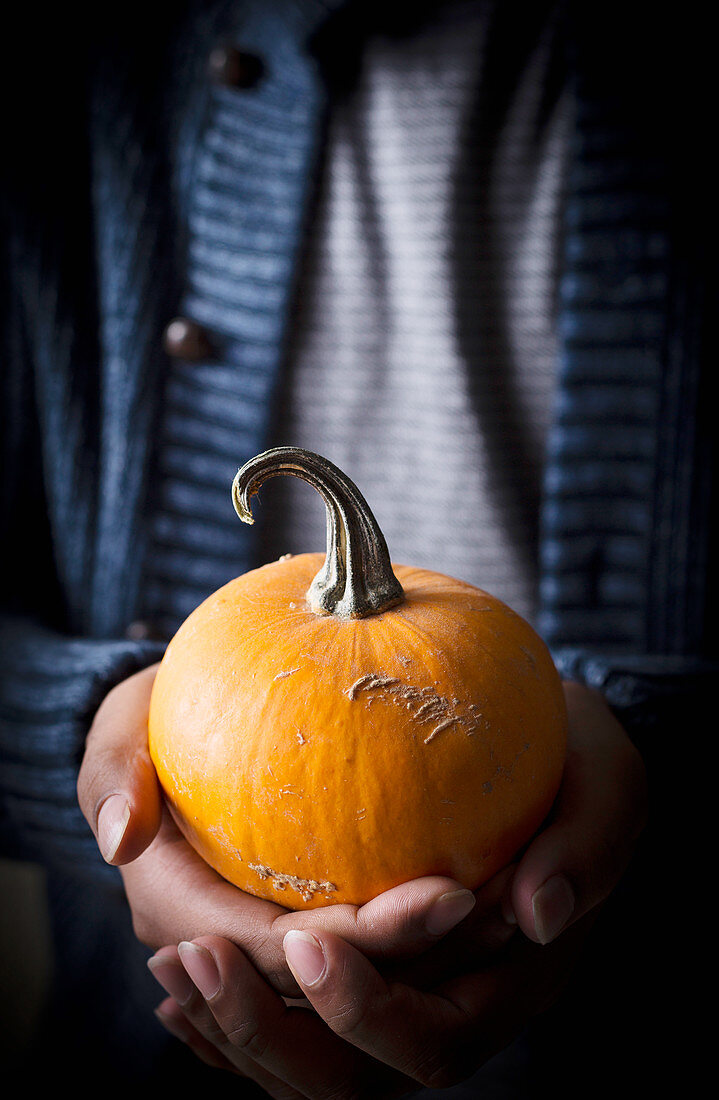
(284, 878)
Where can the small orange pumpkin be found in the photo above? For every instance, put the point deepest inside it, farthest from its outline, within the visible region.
(325, 728)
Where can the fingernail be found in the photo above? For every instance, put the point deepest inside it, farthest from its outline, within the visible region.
(305, 956)
(171, 975)
(111, 825)
(552, 906)
(448, 911)
(202, 968)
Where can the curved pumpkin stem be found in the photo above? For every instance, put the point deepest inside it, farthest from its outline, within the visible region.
(356, 579)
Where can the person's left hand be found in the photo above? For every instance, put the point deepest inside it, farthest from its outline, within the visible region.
(435, 1020)
(367, 1036)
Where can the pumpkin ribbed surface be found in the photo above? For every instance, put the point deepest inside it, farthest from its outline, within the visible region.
(313, 759)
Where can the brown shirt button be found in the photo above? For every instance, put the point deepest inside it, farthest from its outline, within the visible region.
(235, 68)
(185, 339)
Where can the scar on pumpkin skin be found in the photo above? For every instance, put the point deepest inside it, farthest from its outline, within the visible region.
(305, 887)
(284, 675)
(424, 704)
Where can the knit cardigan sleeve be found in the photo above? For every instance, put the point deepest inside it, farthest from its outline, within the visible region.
(628, 597)
(50, 689)
(57, 658)
(54, 671)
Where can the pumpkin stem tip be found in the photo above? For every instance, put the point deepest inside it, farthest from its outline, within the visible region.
(357, 577)
(240, 505)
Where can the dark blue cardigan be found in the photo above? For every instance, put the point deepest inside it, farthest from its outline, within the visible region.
(141, 213)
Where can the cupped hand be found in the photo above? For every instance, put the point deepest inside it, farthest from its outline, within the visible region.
(175, 896)
(367, 1036)
(575, 862)
(434, 1019)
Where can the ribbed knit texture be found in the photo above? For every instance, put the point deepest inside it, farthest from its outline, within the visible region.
(99, 387)
(627, 473)
(423, 351)
(603, 454)
(52, 686)
(243, 197)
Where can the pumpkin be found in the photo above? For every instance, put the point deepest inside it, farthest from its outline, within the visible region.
(328, 726)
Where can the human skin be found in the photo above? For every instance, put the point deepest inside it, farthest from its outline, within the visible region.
(425, 963)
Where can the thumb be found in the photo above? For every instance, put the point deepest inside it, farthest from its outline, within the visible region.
(575, 863)
(400, 923)
(117, 787)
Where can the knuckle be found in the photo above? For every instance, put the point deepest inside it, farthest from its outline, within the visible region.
(83, 793)
(247, 1036)
(400, 922)
(264, 949)
(349, 1018)
(144, 930)
(147, 928)
(90, 776)
(210, 1028)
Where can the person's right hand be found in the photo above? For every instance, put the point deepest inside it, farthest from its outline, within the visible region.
(174, 896)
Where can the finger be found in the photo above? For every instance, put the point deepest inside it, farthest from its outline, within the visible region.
(254, 1029)
(399, 923)
(184, 1012)
(489, 925)
(170, 1015)
(576, 862)
(472, 944)
(392, 927)
(117, 787)
(176, 896)
(422, 1036)
(437, 1039)
(521, 982)
(168, 971)
(186, 1016)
